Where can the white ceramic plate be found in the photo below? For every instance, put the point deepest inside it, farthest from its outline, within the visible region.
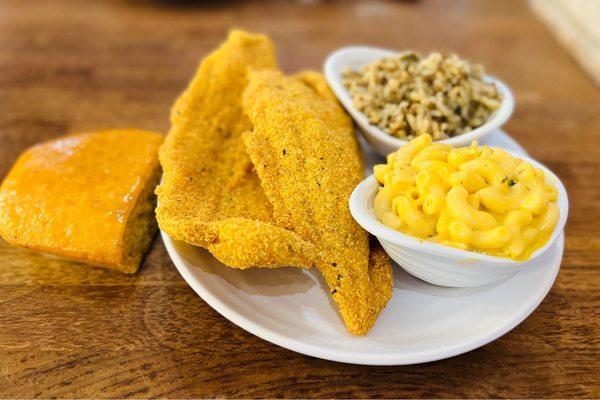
(421, 323)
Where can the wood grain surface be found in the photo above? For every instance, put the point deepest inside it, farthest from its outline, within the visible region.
(68, 330)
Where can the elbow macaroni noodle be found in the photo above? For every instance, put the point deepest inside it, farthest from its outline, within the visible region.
(474, 198)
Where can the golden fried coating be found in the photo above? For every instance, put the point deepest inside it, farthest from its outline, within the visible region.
(307, 157)
(210, 195)
(87, 197)
(303, 146)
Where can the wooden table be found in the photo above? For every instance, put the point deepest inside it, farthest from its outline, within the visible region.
(71, 331)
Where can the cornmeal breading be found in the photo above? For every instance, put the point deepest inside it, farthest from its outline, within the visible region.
(307, 157)
(210, 195)
(303, 146)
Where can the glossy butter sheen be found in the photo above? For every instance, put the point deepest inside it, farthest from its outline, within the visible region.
(72, 196)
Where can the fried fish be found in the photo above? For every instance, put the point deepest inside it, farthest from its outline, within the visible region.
(210, 195)
(293, 132)
(307, 157)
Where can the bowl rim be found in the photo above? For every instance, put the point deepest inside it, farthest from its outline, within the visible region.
(333, 76)
(363, 195)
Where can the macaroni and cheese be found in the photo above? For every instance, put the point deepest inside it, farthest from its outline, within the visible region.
(474, 198)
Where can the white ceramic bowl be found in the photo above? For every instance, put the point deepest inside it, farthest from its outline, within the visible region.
(356, 56)
(444, 265)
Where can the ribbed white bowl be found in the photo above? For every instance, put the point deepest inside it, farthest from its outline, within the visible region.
(444, 265)
(383, 143)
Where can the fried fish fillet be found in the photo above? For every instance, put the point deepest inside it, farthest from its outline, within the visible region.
(307, 157)
(210, 195)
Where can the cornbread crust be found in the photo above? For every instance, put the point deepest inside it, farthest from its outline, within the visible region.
(307, 157)
(141, 226)
(84, 197)
(210, 195)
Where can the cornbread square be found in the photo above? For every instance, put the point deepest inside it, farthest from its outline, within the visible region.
(87, 197)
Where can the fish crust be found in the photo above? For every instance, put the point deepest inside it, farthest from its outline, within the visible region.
(210, 195)
(306, 154)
